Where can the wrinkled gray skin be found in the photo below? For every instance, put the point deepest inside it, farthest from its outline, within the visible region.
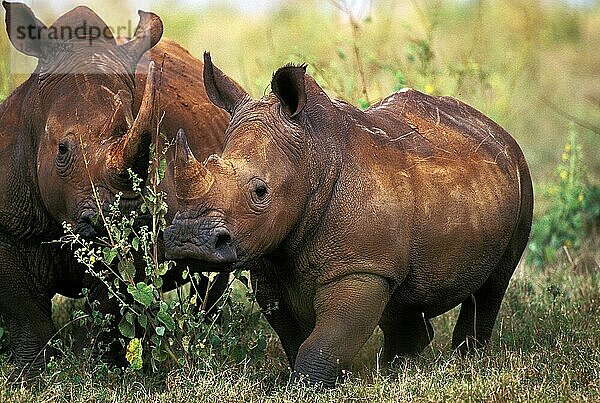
(349, 219)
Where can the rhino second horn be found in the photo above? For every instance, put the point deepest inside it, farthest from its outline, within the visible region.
(192, 179)
(140, 133)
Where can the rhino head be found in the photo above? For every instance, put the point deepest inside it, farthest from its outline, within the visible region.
(255, 196)
(80, 110)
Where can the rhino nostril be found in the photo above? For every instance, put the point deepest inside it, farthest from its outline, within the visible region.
(223, 239)
(87, 214)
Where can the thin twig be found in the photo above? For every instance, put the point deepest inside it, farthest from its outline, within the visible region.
(569, 256)
(343, 6)
(155, 175)
(94, 190)
(580, 122)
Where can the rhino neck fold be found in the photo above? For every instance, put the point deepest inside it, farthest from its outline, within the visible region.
(325, 151)
(22, 213)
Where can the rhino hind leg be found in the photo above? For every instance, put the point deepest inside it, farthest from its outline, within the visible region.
(405, 335)
(477, 316)
(28, 316)
(478, 313)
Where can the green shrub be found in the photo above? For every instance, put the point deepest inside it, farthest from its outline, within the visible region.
(156, 327)
(573, 209)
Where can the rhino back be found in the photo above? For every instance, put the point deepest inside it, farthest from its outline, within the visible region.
(428, 198)
(430, 126)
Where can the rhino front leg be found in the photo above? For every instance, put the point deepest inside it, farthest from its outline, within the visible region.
(27, 313)
(279, 315)
(347, 311)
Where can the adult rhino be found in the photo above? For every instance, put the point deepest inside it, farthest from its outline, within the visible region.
(83, 102)
(349, 219)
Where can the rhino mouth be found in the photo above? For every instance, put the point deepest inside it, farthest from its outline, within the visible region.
(91, 225)
(188, 240)
(204, 265)
(87, 225)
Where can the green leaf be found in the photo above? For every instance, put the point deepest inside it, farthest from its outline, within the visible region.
(135, 243)
(162, 169)
(127, 329)
(143, 321)
(158, 354)
(127, 269)
(134, 354)
(164, 317)
(160, 330)
(109, 255)
(163, 268)
(141, 293)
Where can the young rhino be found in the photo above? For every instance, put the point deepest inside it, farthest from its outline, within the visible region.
(349, 219)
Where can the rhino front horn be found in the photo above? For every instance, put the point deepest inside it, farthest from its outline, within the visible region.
(136, 142)
(192, 179)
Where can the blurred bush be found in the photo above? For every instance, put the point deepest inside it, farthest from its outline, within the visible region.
(573, 208)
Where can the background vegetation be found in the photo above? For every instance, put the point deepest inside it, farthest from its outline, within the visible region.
(533, 66)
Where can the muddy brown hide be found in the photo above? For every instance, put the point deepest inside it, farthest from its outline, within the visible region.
(82, 117)
(348, 219)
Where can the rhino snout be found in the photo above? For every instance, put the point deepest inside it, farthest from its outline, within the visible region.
(186, 240)
(221, 244)
(85, 224)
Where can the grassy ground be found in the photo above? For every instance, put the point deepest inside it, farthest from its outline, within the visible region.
(532, 68)
(546, 347)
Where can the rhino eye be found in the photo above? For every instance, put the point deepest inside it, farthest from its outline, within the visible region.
(64, 156)
(63, 149)
(260, 191)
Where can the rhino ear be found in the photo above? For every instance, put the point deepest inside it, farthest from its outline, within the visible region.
(288, 84)
(147, 34)
(222, 90)
(25, 31)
